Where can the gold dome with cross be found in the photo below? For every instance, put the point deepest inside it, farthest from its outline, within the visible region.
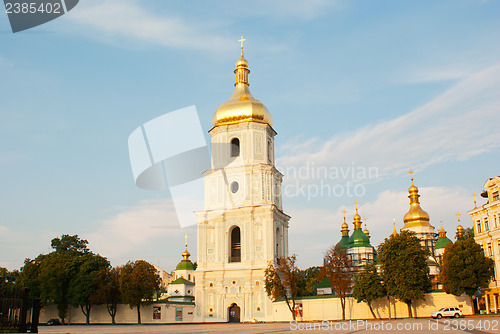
(242, 106)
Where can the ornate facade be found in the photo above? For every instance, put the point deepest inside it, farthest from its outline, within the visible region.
(242, 226)
(486, 222)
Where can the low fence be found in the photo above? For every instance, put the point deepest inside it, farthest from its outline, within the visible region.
(18, 312)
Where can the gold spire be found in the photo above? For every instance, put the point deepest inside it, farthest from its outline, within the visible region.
(442, 232)
(460, 229)
(366, 230)
(394, 233)
(345, 227)
(242, 70)
(357, 217)
(242, 106)
(474, 196)
(186, 254)
(415, 216)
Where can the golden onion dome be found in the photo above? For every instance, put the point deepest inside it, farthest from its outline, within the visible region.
(186, 255)
(242, 106)
(416, 216)
(394, 233)
(345, 229)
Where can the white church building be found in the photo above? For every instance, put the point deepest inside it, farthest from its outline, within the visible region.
(242, 226)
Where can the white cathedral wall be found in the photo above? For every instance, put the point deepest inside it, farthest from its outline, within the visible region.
(124, 315)
(330, 308)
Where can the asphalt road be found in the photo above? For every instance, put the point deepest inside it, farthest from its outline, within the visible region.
(473, 325)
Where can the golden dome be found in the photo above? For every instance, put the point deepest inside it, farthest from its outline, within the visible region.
(415, 216)
(460, 229)
(242, 106)
(357, 221)
(185, 255)
(442, 232)
(394, 233)
(345, 229)
(365, 231)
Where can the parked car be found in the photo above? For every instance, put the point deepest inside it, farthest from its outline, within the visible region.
(452, 312)
(53, 322)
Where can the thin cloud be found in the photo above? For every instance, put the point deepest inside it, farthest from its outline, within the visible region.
(146, 230)
(127, 20)
(455, 126)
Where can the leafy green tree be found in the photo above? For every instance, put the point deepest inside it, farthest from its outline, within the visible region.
(337, 268)
(108, 290)
(465, 268)
(138, 284)
(70, 245)
(29, 276)
(82, 286)
(56, 271)
(282, 281)
(368, 286)
(49, 276)
(8, 278)
(309, 279)
(404, 268)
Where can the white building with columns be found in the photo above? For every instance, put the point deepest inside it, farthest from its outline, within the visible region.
(242, 226)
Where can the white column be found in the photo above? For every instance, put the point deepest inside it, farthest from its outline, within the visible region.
(487, 300)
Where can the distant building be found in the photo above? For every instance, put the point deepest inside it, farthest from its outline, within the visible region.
(359, 249)
(182, 288)
(486, 221)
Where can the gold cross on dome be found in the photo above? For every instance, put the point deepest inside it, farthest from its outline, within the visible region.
(458, 215)
(356, 203)
(186, 238)
(344, 212)
(474, 196)
(411, 172)
(241, 41)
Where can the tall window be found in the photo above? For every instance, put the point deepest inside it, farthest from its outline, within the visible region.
(496, 197)
(278, 241)
(486, 226)
(478, 226)
(235, 245)
(269, 153)
(235, 147)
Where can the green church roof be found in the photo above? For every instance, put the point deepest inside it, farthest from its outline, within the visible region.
(325, 283)
(442, 242)
(343, 243)
(182, 280)
(359, 239)
(185, 265)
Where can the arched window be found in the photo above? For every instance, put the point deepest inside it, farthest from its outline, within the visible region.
(235, 245)
(278, 241)
(235, 147)
(269, 152)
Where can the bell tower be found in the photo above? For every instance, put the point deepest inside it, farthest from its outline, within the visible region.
(242, 226)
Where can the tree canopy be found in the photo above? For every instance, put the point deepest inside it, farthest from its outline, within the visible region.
(138, 284)
(337, 268)
(404, 268)
(368, 286)
(107, 290)
(282, 281)
(465, 268)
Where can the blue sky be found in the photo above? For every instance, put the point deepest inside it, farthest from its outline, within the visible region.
(390, 85)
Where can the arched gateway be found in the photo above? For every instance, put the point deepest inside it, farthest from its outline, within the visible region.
(233, 313)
